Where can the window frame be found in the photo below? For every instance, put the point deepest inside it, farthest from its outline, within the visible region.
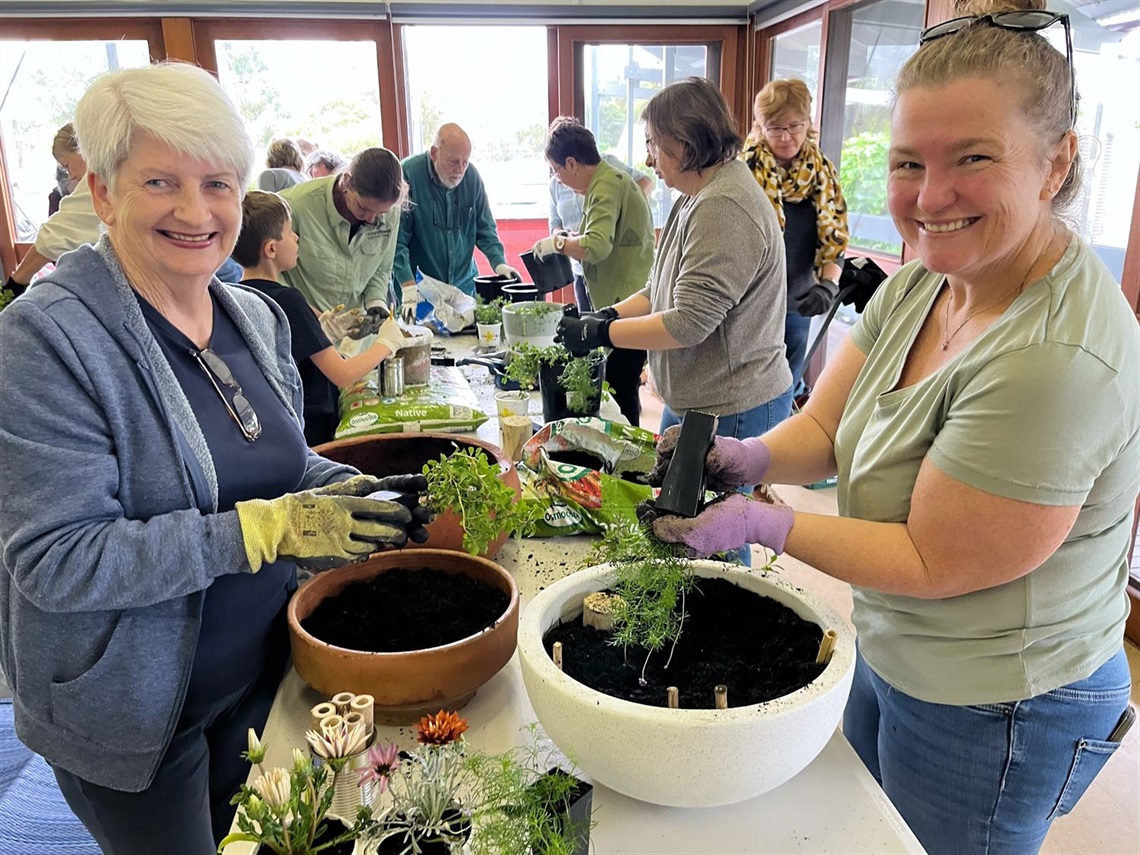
(65, 30)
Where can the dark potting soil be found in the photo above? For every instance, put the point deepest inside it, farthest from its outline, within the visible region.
(402, 610)
(759, 648)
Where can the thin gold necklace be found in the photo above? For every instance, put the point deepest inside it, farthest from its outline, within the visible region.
(950, 298)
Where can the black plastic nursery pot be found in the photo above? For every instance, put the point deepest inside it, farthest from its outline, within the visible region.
(550, 274)
(554, 403)
(521, 292)
(491, 287)
(574, 815)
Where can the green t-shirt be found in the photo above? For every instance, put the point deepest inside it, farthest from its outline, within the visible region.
(617, 235)
(1042, 407)
(331, 269)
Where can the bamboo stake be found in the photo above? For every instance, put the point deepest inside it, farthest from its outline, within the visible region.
(342, 701)
(826, 647)
(320, 712)
(557, 654)
(720, 695)
(674, 697)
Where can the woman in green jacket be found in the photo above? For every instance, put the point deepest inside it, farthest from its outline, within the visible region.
(614, 241)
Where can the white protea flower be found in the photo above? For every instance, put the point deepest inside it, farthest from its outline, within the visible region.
(337, 741)
(274, 788)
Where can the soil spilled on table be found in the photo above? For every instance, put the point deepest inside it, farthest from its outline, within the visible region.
(756, 646)
(402, 610)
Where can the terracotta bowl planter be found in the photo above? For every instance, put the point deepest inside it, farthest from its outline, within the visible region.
(405, 685)
(685, 757)
(403, 453)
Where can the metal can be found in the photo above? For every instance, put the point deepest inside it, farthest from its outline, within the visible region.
(392, 377)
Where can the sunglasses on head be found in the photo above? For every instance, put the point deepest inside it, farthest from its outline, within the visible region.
(1027, 21)
(241, 410)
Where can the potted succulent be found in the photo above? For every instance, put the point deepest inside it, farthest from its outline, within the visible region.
(285, 810)
(440, 797)
(782, 703)
(489, 321)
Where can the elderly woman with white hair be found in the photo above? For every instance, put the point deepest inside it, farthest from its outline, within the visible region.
(156, 490)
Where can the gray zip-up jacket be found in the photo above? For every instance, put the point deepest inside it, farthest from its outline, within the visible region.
(109, 533)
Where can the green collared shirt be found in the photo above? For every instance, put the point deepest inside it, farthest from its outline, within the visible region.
(440, 231)
(617, 236)
(332, 268)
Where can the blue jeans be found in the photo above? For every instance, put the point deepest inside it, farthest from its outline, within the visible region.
(796, 331)
(755, 422)
(986, 778)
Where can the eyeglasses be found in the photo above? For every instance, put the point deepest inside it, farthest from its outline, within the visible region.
(1029, 21)
(793, 130)
(241, 411)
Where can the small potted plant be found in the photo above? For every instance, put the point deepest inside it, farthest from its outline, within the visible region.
(440, 796)
(571, 386)
(284, 810)
(489, 321)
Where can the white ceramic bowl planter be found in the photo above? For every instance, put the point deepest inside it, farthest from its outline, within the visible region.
(686, 757)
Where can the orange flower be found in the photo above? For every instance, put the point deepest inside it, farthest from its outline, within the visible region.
(440, 729)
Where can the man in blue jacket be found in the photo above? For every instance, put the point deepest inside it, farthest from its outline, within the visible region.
(449, 216)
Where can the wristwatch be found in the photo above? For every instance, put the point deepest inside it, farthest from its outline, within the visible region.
(559, 242)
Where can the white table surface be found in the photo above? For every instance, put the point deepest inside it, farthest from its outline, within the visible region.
(834, 805)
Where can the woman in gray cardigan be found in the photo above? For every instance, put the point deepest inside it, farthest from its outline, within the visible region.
(712, 315)
(156, 492)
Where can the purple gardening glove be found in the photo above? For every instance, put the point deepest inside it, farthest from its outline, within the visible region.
(724, 525)
(730, 463)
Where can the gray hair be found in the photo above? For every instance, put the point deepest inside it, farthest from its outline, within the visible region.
(178, 104)
(693, 112)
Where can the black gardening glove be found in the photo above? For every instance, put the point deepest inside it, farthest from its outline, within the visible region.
(580, 335)
(406, 490)
(369, 323)
(15, 287)
(819, 299)
(608, 313)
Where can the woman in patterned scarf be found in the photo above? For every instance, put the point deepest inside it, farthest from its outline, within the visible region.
(804, 188)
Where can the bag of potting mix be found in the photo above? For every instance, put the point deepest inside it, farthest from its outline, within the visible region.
(446, 403)
(586, 474)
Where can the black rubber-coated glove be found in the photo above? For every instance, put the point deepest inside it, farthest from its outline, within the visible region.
(580, 335)
(608, 313)
(15, 287)
(819, 299)
(406, 490)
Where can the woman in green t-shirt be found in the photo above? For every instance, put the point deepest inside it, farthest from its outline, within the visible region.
(984, 422)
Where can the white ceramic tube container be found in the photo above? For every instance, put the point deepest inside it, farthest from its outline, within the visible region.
(686, 757)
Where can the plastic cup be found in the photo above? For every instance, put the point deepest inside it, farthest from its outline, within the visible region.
(512, 403)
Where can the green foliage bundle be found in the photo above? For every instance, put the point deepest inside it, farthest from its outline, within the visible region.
(471, 486)
(490, 313)
(652, 580)
(522, 365)
(537, 308)
(519, 806)
(577, 378)
(6, 297)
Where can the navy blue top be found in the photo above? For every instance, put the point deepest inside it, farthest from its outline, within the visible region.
(240, 609)
(321, 395)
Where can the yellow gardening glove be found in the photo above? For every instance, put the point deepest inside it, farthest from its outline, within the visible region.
(319, 531)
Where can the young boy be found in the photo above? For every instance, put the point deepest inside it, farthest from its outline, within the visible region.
(267, 246)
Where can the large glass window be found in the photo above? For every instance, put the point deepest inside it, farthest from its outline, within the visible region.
(327, 92)
(1106, 53)
(796, 54)
(499, 98)
(40, 84)
(618, 81)
(870, 42)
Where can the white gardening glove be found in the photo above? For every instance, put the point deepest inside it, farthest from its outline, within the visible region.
(410, 297)
(508, 272)
(543, 249)
(390, 335)
(337, 323)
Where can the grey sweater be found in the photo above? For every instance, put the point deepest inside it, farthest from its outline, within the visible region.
(719, 280)
(109, 533)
